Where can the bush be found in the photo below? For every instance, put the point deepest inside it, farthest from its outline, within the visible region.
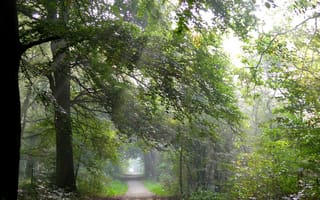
(156, 188)
(115, 188)
(100, 185)
(204, 195)
(91, 184)
(41, 190)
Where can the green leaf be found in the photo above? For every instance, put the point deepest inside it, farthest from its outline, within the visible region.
(267, 4)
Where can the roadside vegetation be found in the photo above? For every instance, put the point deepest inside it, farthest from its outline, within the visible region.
(157, 188)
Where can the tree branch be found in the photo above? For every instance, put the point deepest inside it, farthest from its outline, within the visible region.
(25, 47)
(316, 15)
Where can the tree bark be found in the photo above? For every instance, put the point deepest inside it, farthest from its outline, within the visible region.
(11, 125)
(60, 86)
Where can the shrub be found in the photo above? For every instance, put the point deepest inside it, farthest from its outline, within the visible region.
(204, 195)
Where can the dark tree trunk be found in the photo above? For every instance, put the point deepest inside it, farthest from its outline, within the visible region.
(60, 86)
(30, 169)
(11, 125)
(64, 154)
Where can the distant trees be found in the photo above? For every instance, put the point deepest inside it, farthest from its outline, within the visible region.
(281, 161)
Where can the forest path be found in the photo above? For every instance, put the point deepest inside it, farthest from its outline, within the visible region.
(136, 189)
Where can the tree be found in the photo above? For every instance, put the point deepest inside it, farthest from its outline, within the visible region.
(59, 80)
(11, 57)
(10, 141)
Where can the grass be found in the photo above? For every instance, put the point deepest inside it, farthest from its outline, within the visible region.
(115, 188)
(156, 188)
(102, 187)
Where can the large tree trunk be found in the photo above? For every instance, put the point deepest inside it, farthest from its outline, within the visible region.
(10, 122)
(60, 86)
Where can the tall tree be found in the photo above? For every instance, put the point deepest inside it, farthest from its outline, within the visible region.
(11, 125)
(59, 80)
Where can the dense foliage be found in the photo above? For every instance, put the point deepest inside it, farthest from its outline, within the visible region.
(103, 82)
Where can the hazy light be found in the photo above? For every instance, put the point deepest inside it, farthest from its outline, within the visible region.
(232, 47)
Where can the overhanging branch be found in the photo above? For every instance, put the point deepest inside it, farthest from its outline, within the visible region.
(25, 47)
(316, 15)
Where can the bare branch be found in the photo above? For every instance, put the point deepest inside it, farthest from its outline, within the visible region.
(316, 15)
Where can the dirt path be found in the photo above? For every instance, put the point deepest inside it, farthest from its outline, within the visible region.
(136, 189)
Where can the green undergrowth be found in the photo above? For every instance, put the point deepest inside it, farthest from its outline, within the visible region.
(156, 188)
(115, 188)
(92, 187)
(102, 187)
